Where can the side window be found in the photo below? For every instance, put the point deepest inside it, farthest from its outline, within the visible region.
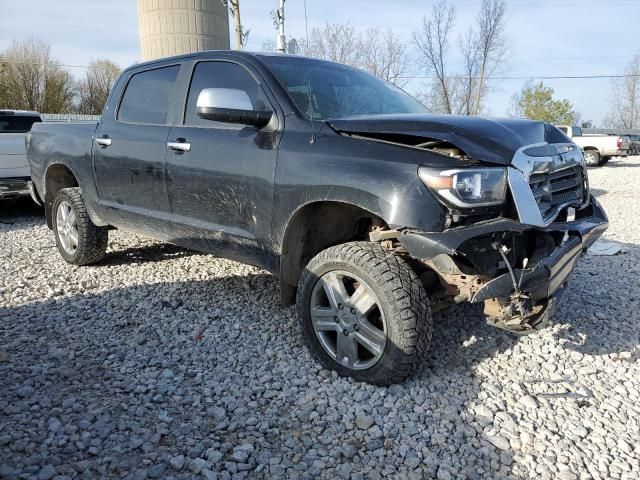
(148, 95)
(221, 75)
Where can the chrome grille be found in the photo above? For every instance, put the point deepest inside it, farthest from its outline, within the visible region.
(554, 189)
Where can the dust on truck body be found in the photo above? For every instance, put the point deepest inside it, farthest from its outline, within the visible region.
(369, 210)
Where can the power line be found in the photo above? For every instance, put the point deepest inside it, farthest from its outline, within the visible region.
(522, 4)
(43, 64)
(539, 77)
(425, 77)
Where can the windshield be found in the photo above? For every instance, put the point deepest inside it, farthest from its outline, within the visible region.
(337, 91)
(16, 123)
(577, 131)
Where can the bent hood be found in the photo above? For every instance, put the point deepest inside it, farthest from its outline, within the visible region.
(494, 140)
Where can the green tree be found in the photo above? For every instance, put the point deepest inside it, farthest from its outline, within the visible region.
(536, 102)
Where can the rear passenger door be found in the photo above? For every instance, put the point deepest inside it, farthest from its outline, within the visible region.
(221, 190)
(130, 147)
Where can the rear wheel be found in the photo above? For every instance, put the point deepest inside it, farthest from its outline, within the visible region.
(592, 158)
(79, 240)
(364, 313)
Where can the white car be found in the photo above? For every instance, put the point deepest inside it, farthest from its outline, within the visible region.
(14, 168)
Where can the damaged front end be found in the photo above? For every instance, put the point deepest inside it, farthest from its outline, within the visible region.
(517, 218)
(518, 261)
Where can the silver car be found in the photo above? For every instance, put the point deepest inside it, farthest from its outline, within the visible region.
(14, 169)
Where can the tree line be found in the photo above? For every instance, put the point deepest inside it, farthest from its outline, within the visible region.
(483, 47)
(31, 78)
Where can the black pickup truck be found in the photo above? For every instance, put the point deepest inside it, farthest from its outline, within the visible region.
(369, 210)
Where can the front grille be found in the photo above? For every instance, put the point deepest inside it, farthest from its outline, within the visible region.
(560, 187)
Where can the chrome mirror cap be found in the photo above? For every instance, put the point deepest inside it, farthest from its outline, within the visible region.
(227, 98)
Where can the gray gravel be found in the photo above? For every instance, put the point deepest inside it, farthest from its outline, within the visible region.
(162, 363)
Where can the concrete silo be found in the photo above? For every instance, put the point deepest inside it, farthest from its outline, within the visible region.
(174, 27)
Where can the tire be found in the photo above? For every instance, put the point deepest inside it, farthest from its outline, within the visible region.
(402, 313)
(91, 241)
(592, 158)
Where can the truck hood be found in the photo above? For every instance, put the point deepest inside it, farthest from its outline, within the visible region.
(493, 140)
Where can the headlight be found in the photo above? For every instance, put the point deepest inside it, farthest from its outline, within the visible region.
(469, 187)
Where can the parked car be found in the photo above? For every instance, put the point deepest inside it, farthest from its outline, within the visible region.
(369, 210)
(598, 149)
(635, 144)
(14, 168)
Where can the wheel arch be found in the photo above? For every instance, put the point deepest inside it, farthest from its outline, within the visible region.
(314, 227)
(57, 177)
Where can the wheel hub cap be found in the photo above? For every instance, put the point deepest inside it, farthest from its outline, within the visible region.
(348, 320)
(67, 227)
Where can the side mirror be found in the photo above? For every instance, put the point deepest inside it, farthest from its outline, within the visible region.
(230, 105)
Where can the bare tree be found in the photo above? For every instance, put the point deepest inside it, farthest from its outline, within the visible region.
(384, 54)
(33, 80)
(469, 80)
(490, 47)
(625, 98)
(268, 46)
(483, 49)
(94, 89)
(335, 42)
(379, 52)
(433, 42)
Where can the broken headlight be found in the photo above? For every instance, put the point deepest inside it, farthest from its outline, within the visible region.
(467, 188)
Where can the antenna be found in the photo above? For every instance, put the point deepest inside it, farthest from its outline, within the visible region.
(312, 140)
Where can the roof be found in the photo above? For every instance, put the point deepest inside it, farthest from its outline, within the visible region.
(206, 53)
(187, 56)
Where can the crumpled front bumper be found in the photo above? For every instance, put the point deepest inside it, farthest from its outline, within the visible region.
(426, 245)
(544, 282)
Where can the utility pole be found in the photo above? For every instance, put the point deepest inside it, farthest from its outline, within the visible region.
(235, 5)
(282, 44)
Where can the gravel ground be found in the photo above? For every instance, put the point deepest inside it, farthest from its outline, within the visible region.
(163, 363)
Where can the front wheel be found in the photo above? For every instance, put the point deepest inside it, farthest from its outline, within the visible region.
(79, 240)
(364, 313)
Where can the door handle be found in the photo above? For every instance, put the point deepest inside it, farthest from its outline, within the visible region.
(180, 145)
(103, 141)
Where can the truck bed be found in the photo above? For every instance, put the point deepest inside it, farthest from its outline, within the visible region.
(68, 143)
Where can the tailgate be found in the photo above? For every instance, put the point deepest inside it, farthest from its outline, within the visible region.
(13, 154)
(12, 144)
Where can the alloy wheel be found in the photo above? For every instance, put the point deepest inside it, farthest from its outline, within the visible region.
(348, 320)
(67, 227)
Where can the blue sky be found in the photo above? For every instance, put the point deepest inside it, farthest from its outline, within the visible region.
(546, 37)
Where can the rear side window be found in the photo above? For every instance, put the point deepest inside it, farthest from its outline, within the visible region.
(148, 95)
(16, 123)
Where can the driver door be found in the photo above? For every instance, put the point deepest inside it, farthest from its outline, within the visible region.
(220, 176)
